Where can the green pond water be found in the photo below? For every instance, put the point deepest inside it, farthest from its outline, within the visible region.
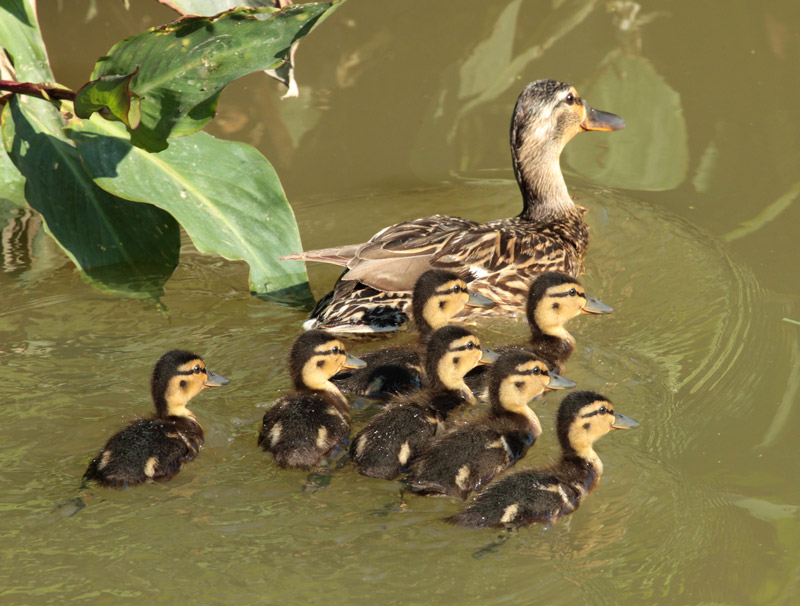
(404, 112)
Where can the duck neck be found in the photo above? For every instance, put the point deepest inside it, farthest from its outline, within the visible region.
(544, 191)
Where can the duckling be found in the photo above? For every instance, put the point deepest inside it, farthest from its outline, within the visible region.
(438, 296)
(544, 495)
(498, 259)
(303, 428)
(157, 448)
(553, 299)
(393, 437)
(468, 458)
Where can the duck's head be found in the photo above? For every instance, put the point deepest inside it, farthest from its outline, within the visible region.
(438, 296)
(586, 416)
(178, 377)
(315, 357)
(547, 115)
(554, 299)
(451, 353)
(518, 377)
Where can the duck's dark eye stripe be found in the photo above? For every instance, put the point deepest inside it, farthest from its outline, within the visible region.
(590, 414)
(333, 350)
(567, 294)
(192, 371)
(469, 345)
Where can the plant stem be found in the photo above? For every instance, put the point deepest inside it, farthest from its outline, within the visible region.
(42, 91)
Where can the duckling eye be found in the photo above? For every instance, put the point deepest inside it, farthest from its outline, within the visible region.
(457, 288)
(470, 345)
(537, 370)
(602, 410)
(570, 99)
(335, 350)
(572, 292)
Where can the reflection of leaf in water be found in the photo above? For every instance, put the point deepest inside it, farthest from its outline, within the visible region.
(787, 402)
(765, 216)
(766, 511)
(652, 152)
(551, 29)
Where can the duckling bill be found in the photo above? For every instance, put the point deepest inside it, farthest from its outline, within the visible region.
(303, 429)
(157, 448)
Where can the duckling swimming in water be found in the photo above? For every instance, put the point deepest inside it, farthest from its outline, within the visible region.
(498, 259)
(438, 296)
(157, 448)
(469, 458)
(553, 300)
(544, 495)
(303, 428)
(396, 435)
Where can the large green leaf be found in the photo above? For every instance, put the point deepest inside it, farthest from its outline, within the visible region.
(20, 36)
(225, 195)
(12, 183)
(116, 242)
(183, 66)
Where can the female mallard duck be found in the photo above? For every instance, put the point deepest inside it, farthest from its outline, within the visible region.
(303, 428)
(157, 448)
(438, 296)
(498, 259)
(544, 495)
(469, 457)
(553, 299)
(394, 436)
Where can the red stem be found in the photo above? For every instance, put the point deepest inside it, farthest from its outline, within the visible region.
(41, 91)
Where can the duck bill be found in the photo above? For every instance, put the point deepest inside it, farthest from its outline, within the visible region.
(623, 422)
(353, 362)
(476, 300)
(215, 380)
(559, 382)
(593, 306)
(594, 119)
(487, 357)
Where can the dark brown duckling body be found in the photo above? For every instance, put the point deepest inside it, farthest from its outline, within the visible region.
(438, 296)
(304, 428)
(544, 495)
(469, 457)
(553, 300)
(157, 448)
(498, 259)
(396, 435)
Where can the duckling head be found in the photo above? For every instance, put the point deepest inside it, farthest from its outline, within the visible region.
(178, 377)
(554, 299)
(451, 353)
(583, 418)
(438, 296)
(517, 378)
(315, 357)
(547, 115)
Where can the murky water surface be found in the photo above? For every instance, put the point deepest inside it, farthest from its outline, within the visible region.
(404, 112)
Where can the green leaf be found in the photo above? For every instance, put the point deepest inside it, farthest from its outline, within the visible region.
(109, 95)
(12, 183)
(119, 243)
(652, 152)
(183, 66)
(20, 36)
(224, 194)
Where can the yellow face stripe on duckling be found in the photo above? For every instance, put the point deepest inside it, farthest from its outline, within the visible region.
(527, 381)
(188, 381)
(326, 360)
(445, 302)
(558, 305)
(591, 423)
(462, 356)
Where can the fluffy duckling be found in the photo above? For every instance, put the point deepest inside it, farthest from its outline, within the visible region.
(470, 457)
(157, 448)
(498, 259)
(396, 435)
(438, 296)
(554, 299)
(544, 495)
(302, 428)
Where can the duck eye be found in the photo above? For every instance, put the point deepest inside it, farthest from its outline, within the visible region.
(572, 292)
(537, 370)
(335, 349)
(470, 345)
(603, 410)
(197, 370)
(570, 99)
